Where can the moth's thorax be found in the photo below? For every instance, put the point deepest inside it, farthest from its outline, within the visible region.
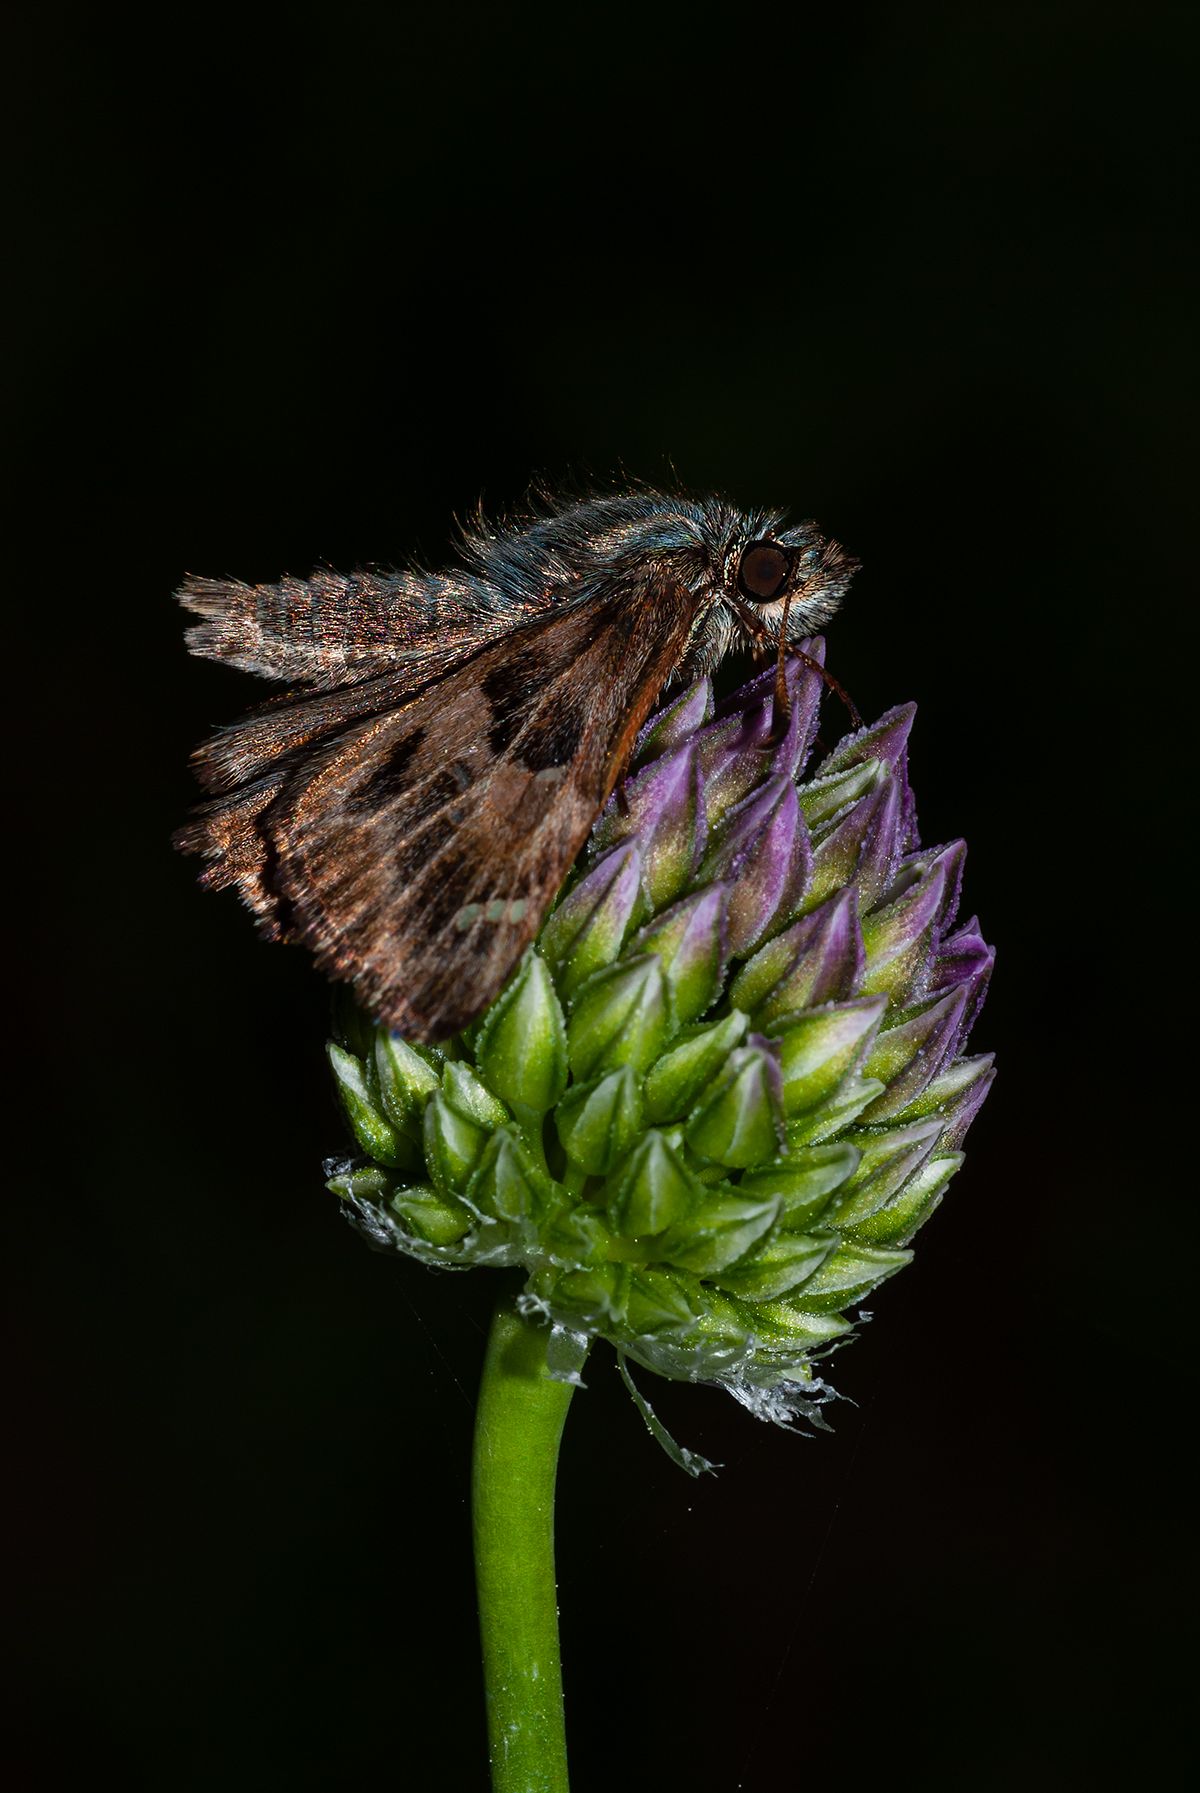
(643, 541)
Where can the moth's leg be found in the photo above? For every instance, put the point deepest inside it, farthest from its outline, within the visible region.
(781, 715)
(833, 684)
(749, 622)
(781, 712)
(784, 647)
(827, 678)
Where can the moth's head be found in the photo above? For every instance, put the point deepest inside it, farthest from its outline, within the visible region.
(746, 574)
(764, 579)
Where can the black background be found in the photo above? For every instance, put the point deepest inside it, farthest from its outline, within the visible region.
(923, 274)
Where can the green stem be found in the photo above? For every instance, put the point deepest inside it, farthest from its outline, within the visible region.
(518, 1425)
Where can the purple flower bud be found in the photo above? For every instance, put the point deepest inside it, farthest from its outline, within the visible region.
(951, 859)
(899, 936)
(965, 958)
(765, 855)
(885, 740)
(819, 959)
(588, 928)
(955, 1097)
(862, 848)
(690, 941)
(739, 749)
(663, 807)
(908, 1056)
(675, 724)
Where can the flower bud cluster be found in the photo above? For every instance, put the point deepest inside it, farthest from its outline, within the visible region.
(728, 1083)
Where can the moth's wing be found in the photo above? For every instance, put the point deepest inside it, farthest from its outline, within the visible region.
(334, 628)
(296, 723)
(417, 852)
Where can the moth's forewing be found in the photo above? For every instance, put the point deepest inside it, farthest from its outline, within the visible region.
(416, 852)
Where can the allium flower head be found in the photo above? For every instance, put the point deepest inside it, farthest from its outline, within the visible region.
(727, 1084)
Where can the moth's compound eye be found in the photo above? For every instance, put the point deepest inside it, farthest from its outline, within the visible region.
(762, 571)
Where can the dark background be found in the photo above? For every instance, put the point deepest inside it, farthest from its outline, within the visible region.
(922, 273)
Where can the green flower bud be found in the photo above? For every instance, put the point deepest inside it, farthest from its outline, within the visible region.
(405, 1080)
(654, 1188)
(599, 1122)
(689, 941)
(521, 1049)
(424, 1214)
(849, 1273)
(362, 1104)
(506, 1182)
(778, 1266)
(621, 1017)
(719, 1232)
(819, 1048)
(738, 1121)
(804, 1181)
(886, 1162)
(460, 1118)
(675, 1082)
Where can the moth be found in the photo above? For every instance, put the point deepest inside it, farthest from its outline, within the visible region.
(409, 808)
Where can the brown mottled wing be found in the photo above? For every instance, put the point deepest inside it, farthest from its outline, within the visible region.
(417, 852)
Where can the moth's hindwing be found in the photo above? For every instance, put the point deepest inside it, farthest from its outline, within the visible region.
(417, 851)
